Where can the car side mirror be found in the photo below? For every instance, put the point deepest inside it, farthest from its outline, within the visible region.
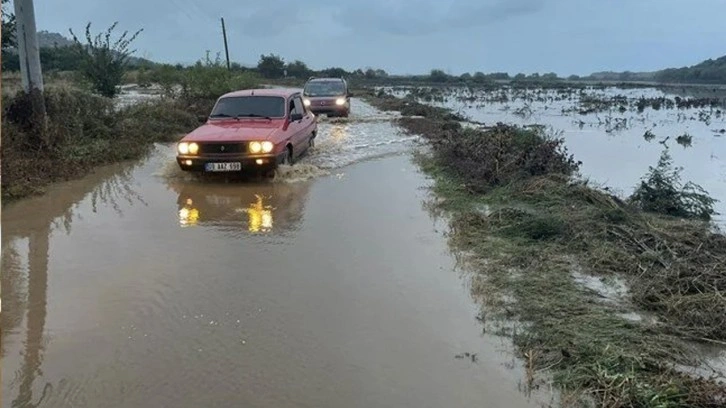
(351, 94)
(294, 117)
(202, 118)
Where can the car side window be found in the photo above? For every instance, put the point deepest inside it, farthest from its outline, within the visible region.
(293, 107)
(299, 107)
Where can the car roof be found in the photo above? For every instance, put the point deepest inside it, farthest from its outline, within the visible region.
(281, 92)
(327, 80)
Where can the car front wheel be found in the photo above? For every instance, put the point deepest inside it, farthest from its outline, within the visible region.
(287, 158)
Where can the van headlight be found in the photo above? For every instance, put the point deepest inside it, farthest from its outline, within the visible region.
(306, 102)
(340, 101)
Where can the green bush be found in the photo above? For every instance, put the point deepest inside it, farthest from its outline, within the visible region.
(661, 191)
(211, 79)
(103, 62)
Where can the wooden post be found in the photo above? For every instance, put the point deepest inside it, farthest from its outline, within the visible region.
(226, 50)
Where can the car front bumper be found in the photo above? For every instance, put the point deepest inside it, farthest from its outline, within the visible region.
(329, 109)
(249, 163)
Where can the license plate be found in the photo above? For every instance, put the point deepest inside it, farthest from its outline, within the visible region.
(234, 166)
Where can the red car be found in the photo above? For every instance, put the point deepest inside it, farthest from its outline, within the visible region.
(254, 129)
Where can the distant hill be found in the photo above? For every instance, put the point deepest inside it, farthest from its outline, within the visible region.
(49, 40)
(707, 72)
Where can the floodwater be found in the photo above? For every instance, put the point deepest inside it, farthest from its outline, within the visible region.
(610, 143)
(141, 287)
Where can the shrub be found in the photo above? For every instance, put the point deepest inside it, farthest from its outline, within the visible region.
(103, 62)
(503, 154)
(210, 79)
(661, 191)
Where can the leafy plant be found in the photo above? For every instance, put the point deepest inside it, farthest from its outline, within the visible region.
(661, 191)
(8, 28)
(103, 61)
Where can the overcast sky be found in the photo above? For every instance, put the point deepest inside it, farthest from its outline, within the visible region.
(414, 36)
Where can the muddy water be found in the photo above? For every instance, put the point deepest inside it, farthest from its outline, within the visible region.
(138, 287)
(611, 144)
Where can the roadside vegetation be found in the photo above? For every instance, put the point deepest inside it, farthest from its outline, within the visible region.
(549, 252)
(86, 126)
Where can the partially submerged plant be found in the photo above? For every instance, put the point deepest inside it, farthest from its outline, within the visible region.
(661, 191)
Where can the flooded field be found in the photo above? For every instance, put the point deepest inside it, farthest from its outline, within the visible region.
(140, 286)
(616, 133)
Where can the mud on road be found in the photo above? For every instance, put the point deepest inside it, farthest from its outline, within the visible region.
(333, 286)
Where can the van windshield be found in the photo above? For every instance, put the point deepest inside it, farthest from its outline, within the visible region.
(324, 88)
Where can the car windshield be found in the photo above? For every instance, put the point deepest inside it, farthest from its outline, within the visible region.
(324, 88)
(249, 106)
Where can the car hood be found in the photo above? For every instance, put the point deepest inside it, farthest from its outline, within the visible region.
(243, 130)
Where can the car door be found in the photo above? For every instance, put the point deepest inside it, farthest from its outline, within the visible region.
(296, 126)
(305, 125)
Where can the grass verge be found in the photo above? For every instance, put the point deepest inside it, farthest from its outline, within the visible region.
(83, 131)
(536, 238)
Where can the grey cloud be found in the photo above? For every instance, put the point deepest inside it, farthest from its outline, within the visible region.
(424, 18)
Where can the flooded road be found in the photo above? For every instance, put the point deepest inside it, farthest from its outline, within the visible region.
(141, 287)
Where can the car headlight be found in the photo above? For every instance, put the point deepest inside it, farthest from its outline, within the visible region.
(306, 102)
(340, 101)
(188, 148)
(183, 148)
(267, 147)
(255, 147)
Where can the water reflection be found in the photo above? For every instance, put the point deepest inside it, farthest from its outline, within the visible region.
(27, 229)
(257, 208)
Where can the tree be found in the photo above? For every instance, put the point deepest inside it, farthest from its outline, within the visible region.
(480, 77)
(8, 27)
(520, 77)
(102, 61)
(499, 75)
(334, 72)
(271, 66)
(550, 76)
(298, 69)
(466, 77)
(438, 75)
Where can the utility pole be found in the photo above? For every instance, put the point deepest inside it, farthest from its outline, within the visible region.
(28, 50)
(226, 50)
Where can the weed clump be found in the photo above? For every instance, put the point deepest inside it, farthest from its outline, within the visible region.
(661, 191)
(685, 140)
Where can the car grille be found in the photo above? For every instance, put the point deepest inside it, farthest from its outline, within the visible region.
(217, 148)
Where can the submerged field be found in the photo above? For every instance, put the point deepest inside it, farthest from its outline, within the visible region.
(616, 133)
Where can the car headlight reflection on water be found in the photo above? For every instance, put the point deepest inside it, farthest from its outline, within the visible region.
(188, 148)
